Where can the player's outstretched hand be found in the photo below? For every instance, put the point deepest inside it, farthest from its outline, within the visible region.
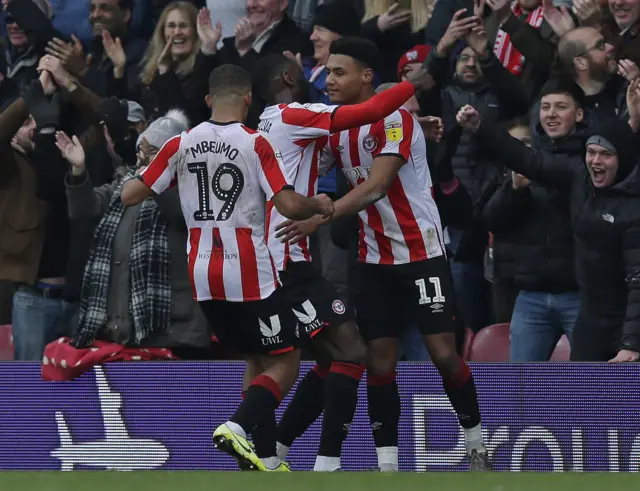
(421, 79)
(293, 231)
(324, 205)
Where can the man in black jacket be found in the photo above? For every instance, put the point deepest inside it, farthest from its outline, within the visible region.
(537, 219)
(603, 200)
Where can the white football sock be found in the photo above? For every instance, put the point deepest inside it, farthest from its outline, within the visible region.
(282, 451)
(236, 428)
(473, 439)
(326, 464)
(387, 459)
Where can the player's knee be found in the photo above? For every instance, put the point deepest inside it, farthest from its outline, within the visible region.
(283, 369)
(382, 358)
(354, 350)
(448, 362)
(357, 352)
(344, 343)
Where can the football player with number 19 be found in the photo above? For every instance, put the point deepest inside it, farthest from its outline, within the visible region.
(402, 277)
(225, 173)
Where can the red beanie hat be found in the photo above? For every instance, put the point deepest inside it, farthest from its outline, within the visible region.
(417, 54)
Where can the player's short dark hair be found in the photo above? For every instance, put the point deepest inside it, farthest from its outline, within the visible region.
(265, 71)
(362, 50)
(564, 85)
(229, 80)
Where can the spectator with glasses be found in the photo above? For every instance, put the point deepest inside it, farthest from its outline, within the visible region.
(586, 56)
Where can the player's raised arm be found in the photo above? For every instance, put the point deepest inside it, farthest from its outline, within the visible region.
(372, 110)
(278, 189)
(494, 142)
(381, 105)
(159, 176)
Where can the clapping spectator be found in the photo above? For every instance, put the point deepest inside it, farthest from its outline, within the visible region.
(179, 59)
(40, 311)
(228, 13)
(110, 20)
(267, 29)
(22, 211)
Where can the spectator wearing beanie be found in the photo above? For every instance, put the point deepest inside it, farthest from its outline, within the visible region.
(136, 290)
(412, 60)
(429, 101)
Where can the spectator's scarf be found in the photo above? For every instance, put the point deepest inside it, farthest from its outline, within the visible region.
(150, 302)
(510, 57)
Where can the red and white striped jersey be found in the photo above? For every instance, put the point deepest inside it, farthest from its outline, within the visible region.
(225, 174)
(300, 132)
(404, 226)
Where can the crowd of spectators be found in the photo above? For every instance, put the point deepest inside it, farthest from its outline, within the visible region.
(90, 90)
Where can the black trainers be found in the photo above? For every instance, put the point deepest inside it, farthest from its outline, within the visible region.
(479, 461)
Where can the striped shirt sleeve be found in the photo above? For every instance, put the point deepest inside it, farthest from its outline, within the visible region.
(162, 172)
(396, 133)
(273, 176)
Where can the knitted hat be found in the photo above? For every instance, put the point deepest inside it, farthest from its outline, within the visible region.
(162, 129)
(417, 54)
(617, 134)
(338, 16)
(136, 113)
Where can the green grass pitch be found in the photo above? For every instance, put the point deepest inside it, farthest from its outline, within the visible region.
(308, 481)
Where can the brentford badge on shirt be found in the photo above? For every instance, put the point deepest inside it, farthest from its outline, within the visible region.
(370, 143)
(338, 307)
(393, 131)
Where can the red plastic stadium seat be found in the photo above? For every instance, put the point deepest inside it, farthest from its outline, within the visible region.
(562, 351)
(6, 343)
(491, 344)
(468, 339)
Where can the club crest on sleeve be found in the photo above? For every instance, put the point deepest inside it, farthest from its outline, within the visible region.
(370, 143)
(338, 307)
(393, 131)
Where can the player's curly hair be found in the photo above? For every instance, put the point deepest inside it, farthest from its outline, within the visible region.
(362, 50)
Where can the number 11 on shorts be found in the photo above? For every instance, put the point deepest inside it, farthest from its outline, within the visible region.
(422, 287)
